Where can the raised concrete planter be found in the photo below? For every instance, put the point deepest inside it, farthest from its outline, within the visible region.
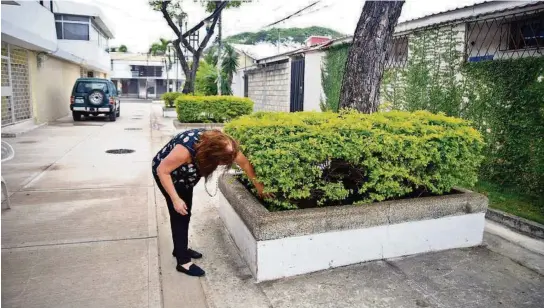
(169, 112)
(184, 126)
(288, 243)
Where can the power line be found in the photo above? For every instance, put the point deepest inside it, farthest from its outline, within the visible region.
(295, 13)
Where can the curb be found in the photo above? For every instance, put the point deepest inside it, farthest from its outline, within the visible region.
(521, 225)
(22, 132)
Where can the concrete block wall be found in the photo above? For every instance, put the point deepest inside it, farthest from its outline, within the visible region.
(269, 87)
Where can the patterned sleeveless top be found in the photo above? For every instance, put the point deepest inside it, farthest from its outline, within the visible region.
(187, 175)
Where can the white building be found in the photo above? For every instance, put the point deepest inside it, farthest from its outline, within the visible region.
(145, 76)
(46, 46)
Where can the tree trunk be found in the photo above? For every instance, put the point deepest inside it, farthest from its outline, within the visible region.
(366, 58)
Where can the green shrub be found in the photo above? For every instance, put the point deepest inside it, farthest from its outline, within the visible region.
(312, 158)
(169, 98)
(211, 109)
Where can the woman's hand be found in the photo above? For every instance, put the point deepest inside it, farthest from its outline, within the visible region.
(180, 206)
(260, 190)
(244, 163)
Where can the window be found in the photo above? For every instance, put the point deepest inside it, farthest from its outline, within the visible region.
(527, 33)
(86, 87)
(72, 27)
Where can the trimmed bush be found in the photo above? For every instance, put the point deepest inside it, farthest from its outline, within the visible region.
(169, 98)
(313, 159)
(211, 109)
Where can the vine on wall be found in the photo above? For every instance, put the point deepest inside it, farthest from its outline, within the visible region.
(504, 100)
(332, 73)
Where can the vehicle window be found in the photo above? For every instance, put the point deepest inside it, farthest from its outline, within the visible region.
(113, 90)
(86, 87)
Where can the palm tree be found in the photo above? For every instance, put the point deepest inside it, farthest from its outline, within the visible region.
(229, 63)
(159, 48)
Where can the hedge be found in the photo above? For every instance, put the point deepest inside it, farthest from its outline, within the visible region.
(313, 159)
(169, 98)
(211, 109)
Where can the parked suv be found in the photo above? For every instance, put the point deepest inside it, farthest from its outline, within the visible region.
(94, 96)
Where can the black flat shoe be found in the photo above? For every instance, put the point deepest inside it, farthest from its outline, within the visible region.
(194, 270)
(193, 254)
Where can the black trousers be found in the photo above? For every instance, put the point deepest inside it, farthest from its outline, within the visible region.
(179, 223)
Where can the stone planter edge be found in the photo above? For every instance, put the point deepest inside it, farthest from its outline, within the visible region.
(179, 125)
(265, 225)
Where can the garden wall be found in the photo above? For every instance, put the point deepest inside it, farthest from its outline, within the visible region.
(269, 87)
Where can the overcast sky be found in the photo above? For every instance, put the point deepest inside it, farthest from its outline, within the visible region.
(137, 26)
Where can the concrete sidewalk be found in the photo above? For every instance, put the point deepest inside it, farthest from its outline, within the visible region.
(82, 228)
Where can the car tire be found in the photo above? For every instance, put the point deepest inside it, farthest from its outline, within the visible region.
(112, 116)
(118, 113)
(77, 116)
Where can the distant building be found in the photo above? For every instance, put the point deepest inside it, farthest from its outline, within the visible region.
(145, 76)
(46, 46)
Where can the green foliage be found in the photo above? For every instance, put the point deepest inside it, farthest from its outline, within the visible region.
(506, 100)
(211, 109)
(512, 201)
(206, 80)
(330, 158)
(169, 98)
(229, 64)
(296, 35)
(332, 74)
(123, 48)
(159, 48)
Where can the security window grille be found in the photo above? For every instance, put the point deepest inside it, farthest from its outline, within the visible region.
(146, 71)
(526, 33)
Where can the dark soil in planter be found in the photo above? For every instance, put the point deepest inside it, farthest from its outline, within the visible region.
(351, 199)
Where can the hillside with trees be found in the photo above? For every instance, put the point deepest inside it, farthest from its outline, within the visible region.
(286, 35)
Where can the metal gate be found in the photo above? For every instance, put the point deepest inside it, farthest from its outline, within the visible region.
(297, 85)
(16, 103)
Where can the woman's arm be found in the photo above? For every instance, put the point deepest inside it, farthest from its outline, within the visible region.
(242, 161)
(177, 157)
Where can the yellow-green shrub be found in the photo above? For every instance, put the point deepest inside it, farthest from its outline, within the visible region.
(331, 158)
(169, 98)
(211, 109)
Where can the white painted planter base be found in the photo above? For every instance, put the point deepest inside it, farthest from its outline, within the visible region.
(279, 258)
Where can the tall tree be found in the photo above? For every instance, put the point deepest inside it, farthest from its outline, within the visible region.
(366, 58)
(172, 10)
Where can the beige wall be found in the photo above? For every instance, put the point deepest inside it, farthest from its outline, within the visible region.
(244, 61)
(51, 87)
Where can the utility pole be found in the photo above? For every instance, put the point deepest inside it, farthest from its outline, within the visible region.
(146, 73)
(278, 40)
(166, 69)
(219, 60)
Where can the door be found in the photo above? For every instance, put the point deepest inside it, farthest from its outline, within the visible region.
(297, 85)
(16, 103)
(246, 86)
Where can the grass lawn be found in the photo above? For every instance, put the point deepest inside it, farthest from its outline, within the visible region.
(509, 201)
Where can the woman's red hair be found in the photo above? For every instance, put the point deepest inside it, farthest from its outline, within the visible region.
(213, 150)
